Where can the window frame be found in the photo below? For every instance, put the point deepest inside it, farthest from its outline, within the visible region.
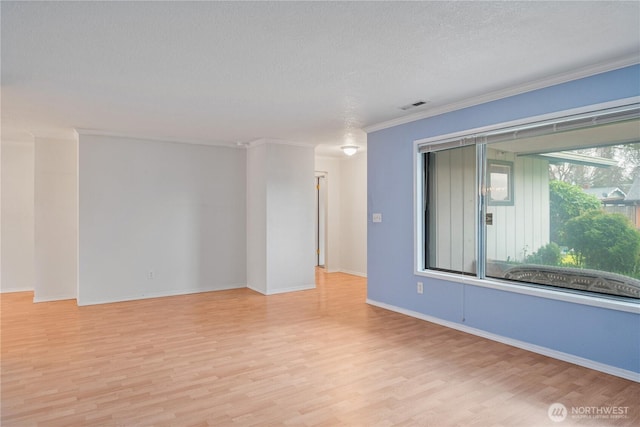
(478, 136)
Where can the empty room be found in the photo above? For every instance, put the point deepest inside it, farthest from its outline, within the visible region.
(320, 213)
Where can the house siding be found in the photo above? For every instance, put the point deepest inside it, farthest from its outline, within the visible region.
(522, 228)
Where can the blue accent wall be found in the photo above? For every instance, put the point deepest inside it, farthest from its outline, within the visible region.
(602, 335)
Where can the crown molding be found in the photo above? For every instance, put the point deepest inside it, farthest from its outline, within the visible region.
(15, 137)
(54, 134)
(147, 137)
(542, 83)
(265, 141)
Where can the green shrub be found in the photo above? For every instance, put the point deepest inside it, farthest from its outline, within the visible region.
(549, 254)
(604, 241)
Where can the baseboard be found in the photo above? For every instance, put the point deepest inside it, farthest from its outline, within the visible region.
(255, 290)
(16, 289)
(161, 294)
(51, 298)
(291, 289)
(576, 360)
(353, 273)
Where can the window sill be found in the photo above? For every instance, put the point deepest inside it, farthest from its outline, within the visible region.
(533, 290)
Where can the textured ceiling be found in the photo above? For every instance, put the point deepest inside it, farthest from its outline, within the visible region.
(308, 72)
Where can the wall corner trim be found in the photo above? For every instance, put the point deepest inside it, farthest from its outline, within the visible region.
(576, 360)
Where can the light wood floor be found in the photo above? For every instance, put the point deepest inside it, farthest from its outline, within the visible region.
(313, 358)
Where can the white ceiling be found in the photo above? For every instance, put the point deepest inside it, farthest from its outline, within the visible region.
(306, 72)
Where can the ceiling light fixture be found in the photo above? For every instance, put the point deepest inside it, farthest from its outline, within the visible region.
(349, 150)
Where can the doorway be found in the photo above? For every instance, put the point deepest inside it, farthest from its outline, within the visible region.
(321, 218)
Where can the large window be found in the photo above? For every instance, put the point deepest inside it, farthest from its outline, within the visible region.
(546, 203)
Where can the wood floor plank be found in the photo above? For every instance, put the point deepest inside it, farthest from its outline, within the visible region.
(320, 357)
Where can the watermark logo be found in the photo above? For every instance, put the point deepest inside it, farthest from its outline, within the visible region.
(557, 412)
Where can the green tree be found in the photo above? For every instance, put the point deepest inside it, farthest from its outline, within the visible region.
(604, 241)
(567, 201)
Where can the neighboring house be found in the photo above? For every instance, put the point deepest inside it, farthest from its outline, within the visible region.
(634, 191)
(614, 200)
(631, 202)
(606, 194)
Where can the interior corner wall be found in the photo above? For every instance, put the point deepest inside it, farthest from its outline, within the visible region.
(332, 166)
(290, 218)
(17, 241)
(596, 336)
(353, 214)
(159, 219)
(286, 241)
(55, 219)
(257, 218)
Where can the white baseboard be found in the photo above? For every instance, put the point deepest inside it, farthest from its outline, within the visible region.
(283, 290)
(576, 360)
(353, 273)
(255, 290)
(291, 289)
(51, 298)
(161, 294)
(16, 289)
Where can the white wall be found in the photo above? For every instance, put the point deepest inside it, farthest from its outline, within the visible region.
(17, 242)
(321, 218)
(175, 211)
(55, 219)
(347, 212)
(257, 218)
(288, 209)
(331, 165)
(159, 218)
(353, 214)
(290, 218)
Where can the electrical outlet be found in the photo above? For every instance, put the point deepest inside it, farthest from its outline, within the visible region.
(420, 288)
(150, 275)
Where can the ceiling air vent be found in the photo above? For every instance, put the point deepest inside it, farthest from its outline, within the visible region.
(414, 105)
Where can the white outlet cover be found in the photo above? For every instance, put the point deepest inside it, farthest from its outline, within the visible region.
(377, 217)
